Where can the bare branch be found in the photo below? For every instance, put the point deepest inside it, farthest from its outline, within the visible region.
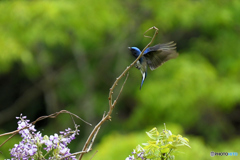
(111, 105)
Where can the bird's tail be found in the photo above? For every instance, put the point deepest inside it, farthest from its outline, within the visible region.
(144, 75)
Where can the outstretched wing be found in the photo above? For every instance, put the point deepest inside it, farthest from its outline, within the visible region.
(159, 54)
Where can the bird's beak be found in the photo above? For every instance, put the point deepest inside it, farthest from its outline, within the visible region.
(129, 48)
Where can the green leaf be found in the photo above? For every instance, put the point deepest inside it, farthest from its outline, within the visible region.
(165, 150)
(153, 134)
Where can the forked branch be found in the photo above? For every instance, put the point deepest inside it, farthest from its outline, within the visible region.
(110, 99)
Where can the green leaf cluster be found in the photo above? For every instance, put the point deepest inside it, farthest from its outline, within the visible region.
(162, 144)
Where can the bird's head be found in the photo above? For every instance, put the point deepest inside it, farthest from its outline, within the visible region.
(135, 51)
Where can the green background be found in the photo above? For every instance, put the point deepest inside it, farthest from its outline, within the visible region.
(66, 55)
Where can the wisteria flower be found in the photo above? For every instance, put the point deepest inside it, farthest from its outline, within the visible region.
(33, 143)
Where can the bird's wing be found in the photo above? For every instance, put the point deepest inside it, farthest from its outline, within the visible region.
(159, 54)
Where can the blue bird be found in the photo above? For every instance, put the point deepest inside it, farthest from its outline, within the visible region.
(153, 57)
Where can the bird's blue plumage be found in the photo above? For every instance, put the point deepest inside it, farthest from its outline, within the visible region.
(146, 51)
(153, 57)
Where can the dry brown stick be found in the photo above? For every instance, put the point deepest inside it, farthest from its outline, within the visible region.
(112, 105)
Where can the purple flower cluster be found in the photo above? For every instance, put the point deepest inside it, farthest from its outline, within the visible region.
(138, 155)
(33, 143)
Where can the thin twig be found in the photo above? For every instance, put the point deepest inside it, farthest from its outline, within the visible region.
(93, 155)
(8, 139)
(54, 115)
(149, 30)
(76, 153)
(112, 105)
(115, 101)
(95, 135)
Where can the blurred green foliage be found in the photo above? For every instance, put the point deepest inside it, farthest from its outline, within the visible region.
(66, 54)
